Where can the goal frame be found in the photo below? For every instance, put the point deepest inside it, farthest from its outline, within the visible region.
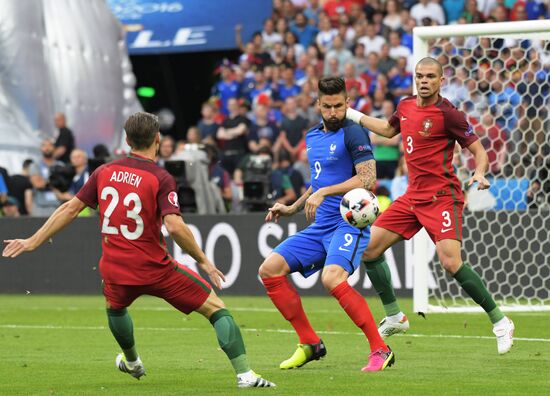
(538, 29)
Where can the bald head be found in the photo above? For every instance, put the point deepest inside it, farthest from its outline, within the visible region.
(427, 61)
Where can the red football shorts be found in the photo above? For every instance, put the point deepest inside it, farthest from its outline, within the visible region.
(442, 218)
(183, 288)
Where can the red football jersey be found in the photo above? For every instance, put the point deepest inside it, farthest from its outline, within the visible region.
(429, 135)
(133, 195)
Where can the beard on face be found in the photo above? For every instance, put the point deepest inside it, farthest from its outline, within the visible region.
(333, 123)
(47, 154)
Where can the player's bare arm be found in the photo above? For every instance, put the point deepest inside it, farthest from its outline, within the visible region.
(62, 216)
(482, 164)
(183, 236)
(280, 209)
(366, 172)
(376, 125)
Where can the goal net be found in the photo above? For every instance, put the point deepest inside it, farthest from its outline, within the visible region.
(499, 75)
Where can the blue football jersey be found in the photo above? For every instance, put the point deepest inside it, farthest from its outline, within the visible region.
(332, 158)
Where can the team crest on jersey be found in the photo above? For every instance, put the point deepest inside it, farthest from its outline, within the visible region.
(332, 148)
(173, 199)
(426, 126)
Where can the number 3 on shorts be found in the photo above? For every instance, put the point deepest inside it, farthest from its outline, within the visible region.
(446, 219)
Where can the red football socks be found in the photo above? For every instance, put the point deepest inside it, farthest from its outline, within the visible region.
(288, 302)
(358, 310)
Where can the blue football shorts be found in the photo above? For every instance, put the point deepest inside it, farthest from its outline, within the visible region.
(318, 245)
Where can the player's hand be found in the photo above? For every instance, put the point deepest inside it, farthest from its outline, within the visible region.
(215, 275)
(277, 211)
(482, 182)
(312, 203)
(14, 247)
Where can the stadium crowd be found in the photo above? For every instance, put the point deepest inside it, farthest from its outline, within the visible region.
(252, 128)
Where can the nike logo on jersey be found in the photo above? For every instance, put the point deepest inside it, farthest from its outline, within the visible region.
(443, 230)
(403, 118)
(344, 249)
(308, 148)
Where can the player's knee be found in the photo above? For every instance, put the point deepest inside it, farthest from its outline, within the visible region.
(450, 264)
(273, 266)
(332, 276)
(212, 304)
(371, 253)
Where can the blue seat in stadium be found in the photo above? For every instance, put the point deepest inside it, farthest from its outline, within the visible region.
(510, 194)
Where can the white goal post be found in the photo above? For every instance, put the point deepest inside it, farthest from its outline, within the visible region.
(512, 297)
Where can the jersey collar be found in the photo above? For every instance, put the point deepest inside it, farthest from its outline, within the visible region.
(139, 157)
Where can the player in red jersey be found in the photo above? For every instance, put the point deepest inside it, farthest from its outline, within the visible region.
(134, 197)
(429, 126)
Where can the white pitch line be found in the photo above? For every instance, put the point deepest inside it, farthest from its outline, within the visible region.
(187, 329)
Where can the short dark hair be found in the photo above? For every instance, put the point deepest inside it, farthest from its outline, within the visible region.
(141, 129)
(431, 61)
(332, 86)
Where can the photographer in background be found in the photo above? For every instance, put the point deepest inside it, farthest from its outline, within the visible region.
(44, 200)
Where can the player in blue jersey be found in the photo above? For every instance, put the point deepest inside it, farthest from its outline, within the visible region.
(341, 159)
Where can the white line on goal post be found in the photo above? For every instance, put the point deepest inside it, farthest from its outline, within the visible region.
(538, 29)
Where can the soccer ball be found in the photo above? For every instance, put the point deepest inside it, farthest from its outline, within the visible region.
(359, 207)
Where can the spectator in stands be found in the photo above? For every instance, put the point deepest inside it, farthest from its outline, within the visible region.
(20, 188)
(340, 53)
(64, 142)
(101, 151)
(360, 59)
(44, 200)
(303, 30)
(232, 136)
(307, 110)
(207, 124)
(335, 8)
(166, 149)
(79, 161)
(385, 61)
(293, 128)
(219, 176)
(353, 80)
(372, 41)
(313, 11)
(193, 136)
(293, 45)
(453, 10)
(261, 128)
(326, 35)
(397, 50)
(400, 82)
(226, 88)
(428, 9)
(386, 151)
(259, 56)
(288, 87)
(3, 189)
(269, 35)
(392, 19)
(284, 164)
(400, 182)
(10, 208)
(471, 12)
(493, 139)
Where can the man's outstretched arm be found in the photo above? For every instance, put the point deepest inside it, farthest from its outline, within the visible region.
(57, 221)
(376, 125)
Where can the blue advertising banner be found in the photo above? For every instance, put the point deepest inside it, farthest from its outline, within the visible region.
(168, 26)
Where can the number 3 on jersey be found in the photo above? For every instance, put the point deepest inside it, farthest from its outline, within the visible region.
(409, 144)
(131, 214)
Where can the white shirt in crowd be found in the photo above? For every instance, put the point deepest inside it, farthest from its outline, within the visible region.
(430, 10)
(372, 44)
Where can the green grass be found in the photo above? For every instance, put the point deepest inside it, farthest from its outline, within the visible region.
(60, 345)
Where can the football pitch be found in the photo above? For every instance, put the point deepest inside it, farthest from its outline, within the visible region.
(61, 345)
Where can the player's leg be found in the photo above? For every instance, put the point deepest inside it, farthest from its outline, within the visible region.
(448, 251)
(342, 260)
(118, 297)
(302, 248)
(231, 341)
(187, 291)
(396, 223)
